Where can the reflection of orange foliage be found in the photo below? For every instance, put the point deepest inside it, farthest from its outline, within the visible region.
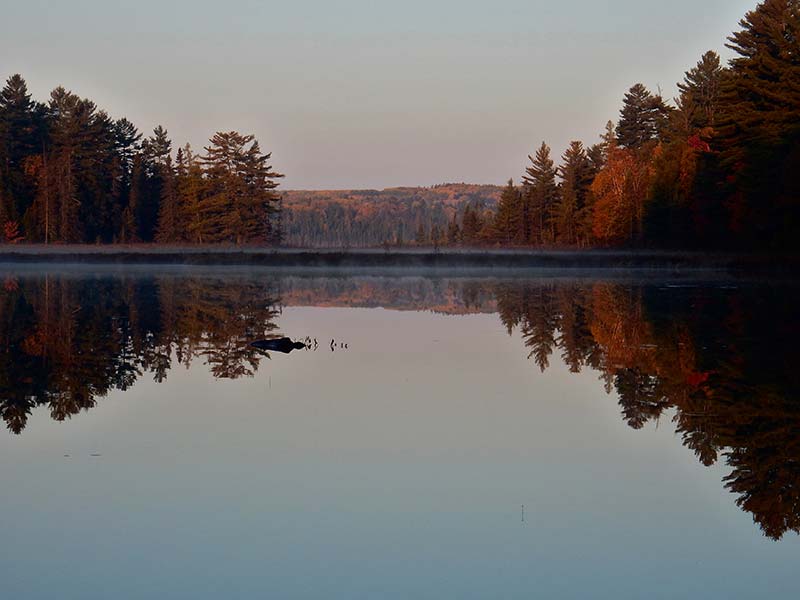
(619, 328)
(695, 356)
(10, 284)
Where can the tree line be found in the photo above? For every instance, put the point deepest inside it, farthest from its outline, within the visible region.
(720, 168)
(717, 168)
(69, 173)
(369, 218)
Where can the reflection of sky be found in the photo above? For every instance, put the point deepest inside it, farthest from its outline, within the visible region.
(395, 469)
(365, 93)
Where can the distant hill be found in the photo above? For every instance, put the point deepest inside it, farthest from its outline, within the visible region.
(368, 218)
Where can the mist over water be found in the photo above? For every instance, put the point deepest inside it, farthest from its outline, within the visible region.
(649, 428)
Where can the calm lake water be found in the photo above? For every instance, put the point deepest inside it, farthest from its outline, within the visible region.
(442, 437)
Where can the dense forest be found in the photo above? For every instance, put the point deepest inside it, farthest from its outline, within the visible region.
(703, 356)
(715, 168)
(394, 216)
(69, 173)
(720, 168)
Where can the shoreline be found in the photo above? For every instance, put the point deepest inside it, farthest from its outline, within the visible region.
(400, 258)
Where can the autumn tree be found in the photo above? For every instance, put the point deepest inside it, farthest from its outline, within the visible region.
(453, 231)
(421, 236)
(621, 191)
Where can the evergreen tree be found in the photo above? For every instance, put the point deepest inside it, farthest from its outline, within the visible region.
(168, 213)
(126, 146)
(699, 93)
(21, 136)
(642, 118)
(508, 221)
(129, 226)
(679, 213)
(759, 126)
(191, 191)
(240, 196)
(541, 194)
(156, 151)
(261, 199)
(576, 178)
(471, 226)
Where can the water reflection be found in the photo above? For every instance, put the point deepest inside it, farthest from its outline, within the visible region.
(68, 341)
(718, 360)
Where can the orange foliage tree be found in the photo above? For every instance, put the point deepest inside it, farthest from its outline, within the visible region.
(621, 190)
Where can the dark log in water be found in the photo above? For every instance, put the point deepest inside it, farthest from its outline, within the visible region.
(283, 344)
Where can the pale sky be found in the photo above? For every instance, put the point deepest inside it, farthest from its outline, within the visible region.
(366, 94)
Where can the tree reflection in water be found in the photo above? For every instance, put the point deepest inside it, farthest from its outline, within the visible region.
(721, 360)
(68, 341)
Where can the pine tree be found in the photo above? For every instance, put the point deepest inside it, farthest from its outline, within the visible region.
(642, 118)
(699, 93)
(156, 151)
(191, 191)
(508, 221)
(21, 136)
(126, 146)
(576, 178)
(759, 126)
(261, 200)
(541, 193)
(129, 226)
(471, 226)
(240, 195)
(168, 217)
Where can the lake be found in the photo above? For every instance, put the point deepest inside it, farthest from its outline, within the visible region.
(440, 436)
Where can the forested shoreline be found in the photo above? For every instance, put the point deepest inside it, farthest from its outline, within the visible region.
(718, 168)
(69, 173)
